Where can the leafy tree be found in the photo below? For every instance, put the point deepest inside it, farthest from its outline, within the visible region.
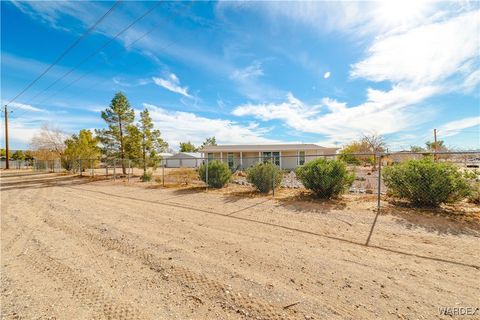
(352, 153)
(18, 155)
(438, 146)
(28, 155)
(120, 138)
(83, 146)
(208, 142)
(151, 142)
(3, 152)
(416, 149)
(425, 182)
(187, 147)
(326, 178)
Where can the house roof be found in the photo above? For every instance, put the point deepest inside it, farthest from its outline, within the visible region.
(265, 147)
(186, 155)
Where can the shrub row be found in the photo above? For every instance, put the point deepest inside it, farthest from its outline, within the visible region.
(421, 182)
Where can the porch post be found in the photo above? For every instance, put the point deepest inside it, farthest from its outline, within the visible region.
(221, 156)
(280, 155)
(259, 157)
(298, 158)
(241, 160)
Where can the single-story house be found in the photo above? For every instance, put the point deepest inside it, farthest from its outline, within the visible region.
(286, 156)
(184, 160)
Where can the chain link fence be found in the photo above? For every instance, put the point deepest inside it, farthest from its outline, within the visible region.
(366, 169)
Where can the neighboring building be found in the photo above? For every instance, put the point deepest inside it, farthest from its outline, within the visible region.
(286, 156)
(184, 159)
(164, 156)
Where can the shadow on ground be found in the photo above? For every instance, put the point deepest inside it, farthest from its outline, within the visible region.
(455, 220)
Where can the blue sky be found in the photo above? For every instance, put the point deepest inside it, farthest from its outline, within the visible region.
(251, 72)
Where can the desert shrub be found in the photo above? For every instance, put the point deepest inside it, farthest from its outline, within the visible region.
(425, 182)
(264, 176)
(219, 173)
(147, 176)
(326, 178)
(474, 196)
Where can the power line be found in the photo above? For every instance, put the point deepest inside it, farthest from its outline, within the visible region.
(108, 58)
(96, 51)
(66, 51)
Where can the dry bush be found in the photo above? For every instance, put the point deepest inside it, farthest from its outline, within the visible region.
(183, 175)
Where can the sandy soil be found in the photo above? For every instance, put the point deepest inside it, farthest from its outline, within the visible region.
(73, 248)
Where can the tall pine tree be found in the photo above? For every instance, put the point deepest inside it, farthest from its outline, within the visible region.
(117, 141)
(151, 142)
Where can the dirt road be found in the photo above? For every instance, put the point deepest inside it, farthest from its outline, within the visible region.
(77, 249)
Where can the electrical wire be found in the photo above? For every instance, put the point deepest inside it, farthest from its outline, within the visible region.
(97, 51)
(66, 51)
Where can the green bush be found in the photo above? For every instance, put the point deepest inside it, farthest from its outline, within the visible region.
(218, 173)
(425, 182)
(326, 178)
(474, 196)
(147, 176)
(264, 175)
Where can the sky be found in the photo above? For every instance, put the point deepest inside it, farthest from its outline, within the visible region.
(249, 72)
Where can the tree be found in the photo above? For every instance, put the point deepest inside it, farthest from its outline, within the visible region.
(3, 152)
(438, 146)
(208, 142)
(375, 144)
(151, 142)
(18, 155)
(119, 117)
(353, 153)
(49, 143)
(187, 147)
(83, 146)
(416, 149)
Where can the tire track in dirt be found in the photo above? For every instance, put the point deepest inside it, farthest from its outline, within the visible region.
(239, 302)
(81, 288)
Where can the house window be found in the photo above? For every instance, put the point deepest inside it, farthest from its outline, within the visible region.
(231, 163)
(301, 158)
(210, 156)
(271, 157)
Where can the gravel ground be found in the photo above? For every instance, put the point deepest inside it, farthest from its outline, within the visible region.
(73, 248)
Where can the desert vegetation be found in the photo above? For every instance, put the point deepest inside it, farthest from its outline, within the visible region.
(264, 176)
(325, 178)
(426, 183)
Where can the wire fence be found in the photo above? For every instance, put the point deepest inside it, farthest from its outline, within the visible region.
(180, 171)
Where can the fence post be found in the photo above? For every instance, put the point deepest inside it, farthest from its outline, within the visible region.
(206, 174)
(93, 170)
(129, 166)
(273, 181)
(80, 167)
(379, 184)
(114, 169)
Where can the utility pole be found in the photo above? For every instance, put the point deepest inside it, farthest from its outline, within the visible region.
(7, 163)
(435, 144)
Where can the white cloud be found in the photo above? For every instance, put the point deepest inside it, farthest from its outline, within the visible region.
(252, 71)
(172, 83)
(177, 126)
(26, 107)
(326, 75)
(384, 112)
(248, 84)
(425, 54)
(455, 127)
